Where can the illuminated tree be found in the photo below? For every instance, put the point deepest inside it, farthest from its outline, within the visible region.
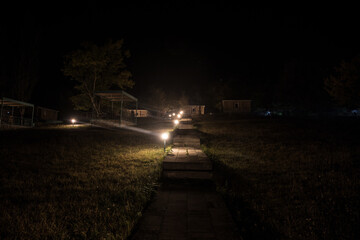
(344, 85)
(97, 68)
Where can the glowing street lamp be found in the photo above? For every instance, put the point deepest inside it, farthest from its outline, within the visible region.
(165, 136)
(173, 114)
(73, 121)
(176, 122)
(181, 112)
(170, 115)
(179, 116)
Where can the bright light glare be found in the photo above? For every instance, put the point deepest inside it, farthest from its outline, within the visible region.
(73, 120)
(169, 115)
(181, 112)
(173, 114)
(165, 136)
(179, 116)
(176, 122)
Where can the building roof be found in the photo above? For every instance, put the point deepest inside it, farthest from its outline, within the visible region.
(14, 103)
(47, 109)
(116, 96)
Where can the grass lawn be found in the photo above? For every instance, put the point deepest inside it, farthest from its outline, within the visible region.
(288, 178)
(76, 182)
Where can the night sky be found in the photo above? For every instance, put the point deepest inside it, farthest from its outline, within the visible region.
(182, 46)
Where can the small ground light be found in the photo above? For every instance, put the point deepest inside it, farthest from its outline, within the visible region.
(165, 136)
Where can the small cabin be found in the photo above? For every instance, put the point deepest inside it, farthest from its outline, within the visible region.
(194, 110)
(236, 106)
(141, 113)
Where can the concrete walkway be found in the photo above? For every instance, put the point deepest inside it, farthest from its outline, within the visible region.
(187, 205)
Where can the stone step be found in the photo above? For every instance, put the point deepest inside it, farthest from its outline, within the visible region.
(205, 175)
(198, 165)
(187, 132)
(187, 158)
(187, 144)
(185, 140)
(186, 120)
(185, 126)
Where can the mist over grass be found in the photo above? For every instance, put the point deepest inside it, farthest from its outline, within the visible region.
(75, 183)
(288, 178)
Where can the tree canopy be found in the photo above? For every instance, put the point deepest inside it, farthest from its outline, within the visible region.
(97, 68)
(19, 61)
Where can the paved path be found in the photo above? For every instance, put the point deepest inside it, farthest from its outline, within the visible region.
(186, 206)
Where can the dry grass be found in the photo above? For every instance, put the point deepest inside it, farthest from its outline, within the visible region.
(288, 179)
(75, 183)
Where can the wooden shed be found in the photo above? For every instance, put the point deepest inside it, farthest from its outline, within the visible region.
(236, 106)
(46, 114)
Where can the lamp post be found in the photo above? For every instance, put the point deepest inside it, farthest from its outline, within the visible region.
(165, 136)
(176, 123)
(73, 121)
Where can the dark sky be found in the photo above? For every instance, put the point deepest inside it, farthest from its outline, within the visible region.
(182, 45)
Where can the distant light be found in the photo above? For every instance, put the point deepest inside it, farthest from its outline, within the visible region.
(169, 115)
(73, 120)
(165, 136)
(173, 114)
(181, 112)
(176, 122)
(179, 116)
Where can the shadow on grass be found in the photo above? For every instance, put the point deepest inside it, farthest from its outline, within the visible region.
(249, 221)
(229, 183)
